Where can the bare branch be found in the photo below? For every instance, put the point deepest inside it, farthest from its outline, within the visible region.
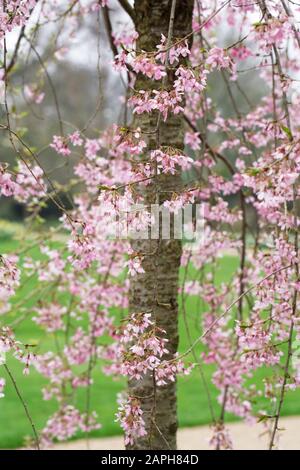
(16, 50)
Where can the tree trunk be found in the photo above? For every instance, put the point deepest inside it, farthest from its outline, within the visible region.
(155, 291)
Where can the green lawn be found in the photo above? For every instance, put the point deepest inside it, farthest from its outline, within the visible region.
(192, 400)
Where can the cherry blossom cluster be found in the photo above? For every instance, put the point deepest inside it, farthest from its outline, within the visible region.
(8, 187)
(221, 439)
(9, 280)
(168, 159)
(21, 352)
(130, 416)
(2, 385)
(14, 13)
(65, 423)
(26, 184)
(33, 94)
(143, 350)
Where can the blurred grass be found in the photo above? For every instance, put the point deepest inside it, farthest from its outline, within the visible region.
(193, 406)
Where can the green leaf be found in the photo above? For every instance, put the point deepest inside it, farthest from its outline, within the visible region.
(287, 131)
(262, 418)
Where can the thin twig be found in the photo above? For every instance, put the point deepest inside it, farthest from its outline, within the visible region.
(36, 438)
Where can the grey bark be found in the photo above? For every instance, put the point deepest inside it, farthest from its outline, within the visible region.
(156, 290)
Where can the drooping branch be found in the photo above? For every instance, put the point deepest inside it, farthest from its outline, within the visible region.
(109, 30)
(128, 8)
(16, 51)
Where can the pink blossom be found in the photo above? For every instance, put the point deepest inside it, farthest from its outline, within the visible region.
(60, 145)
(2, 385)
(217, 58)
(51, 317)
(9, 280)
(7, 186)
(65, 424)
(32, 94)
(192, 140)
(75, 139)
(130, 416)
(135, 266)
(92, 146)
(241, 52)
(142, 64)
(221, 439)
